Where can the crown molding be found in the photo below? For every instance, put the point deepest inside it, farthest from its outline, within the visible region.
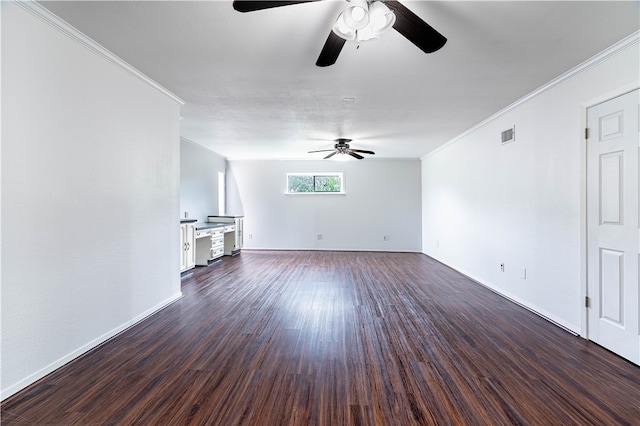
(624, 44)
(65, 28)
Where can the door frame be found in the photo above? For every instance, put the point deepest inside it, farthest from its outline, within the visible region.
(607, 96)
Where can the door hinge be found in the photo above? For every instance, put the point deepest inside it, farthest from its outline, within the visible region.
(586, 133)
(587, 302)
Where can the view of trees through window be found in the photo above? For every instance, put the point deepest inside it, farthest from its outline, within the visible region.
(326, 184)
(308, 183)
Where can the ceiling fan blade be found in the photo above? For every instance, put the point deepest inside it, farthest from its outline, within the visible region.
(250, 6)
(321, 150)
(412, 27)
(330, 155)
(353, 154)
(363, 151)
(330, 51)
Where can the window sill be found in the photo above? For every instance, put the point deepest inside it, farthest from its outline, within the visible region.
(315, 193)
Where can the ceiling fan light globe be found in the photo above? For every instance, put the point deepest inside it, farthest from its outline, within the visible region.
(365, 34)
(341, 29)
(356, 15)
(381, 18)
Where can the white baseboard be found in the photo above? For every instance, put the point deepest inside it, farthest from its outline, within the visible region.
(32, 378)
(571, 328)
(332, 249)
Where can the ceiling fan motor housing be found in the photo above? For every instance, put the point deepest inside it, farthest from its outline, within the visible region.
(342, 146)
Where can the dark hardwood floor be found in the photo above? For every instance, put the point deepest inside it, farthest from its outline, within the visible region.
(327, 338)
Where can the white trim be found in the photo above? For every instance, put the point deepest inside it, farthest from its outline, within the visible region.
(584, 311)
(300, 194)
(1, 210)
(245, 248)
(32, 378)
(603, 56)
(45, 15)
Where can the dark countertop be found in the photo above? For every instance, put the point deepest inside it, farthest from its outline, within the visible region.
(227, 216)
(188, 220)
(209, 225)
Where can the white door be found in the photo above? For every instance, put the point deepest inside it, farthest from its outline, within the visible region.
(613, 225)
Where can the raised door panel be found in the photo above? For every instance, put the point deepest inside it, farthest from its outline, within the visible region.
(611, 184)
(611, 286)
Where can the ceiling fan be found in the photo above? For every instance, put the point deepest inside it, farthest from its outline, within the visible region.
(342, 147)
(363, 20)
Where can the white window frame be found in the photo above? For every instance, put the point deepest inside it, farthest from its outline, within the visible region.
(222, 194)
(340, 175)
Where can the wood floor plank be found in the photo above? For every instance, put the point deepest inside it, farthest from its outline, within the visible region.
(336, 338)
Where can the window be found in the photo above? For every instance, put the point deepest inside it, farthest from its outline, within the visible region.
(222, 197)
(315, 183)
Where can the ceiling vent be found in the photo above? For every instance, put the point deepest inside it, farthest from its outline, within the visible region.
(508, 135)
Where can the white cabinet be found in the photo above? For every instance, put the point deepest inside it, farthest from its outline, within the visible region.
(217, 243)
(209, 245)
(230, 240)
(239, 239)
(233, 232)
(187, 246)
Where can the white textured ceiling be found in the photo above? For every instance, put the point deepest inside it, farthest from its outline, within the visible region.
(252, 89)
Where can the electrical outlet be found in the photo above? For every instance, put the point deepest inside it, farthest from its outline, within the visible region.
(438, 244)
(386, 238)
(319, 236)
(502, 267)
(186, 215)
(251, 236)
(523, 273)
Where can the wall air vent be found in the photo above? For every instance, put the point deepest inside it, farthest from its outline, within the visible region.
(508, 135)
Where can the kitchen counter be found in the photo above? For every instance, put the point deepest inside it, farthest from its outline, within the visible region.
(209, 225)
(203, 225)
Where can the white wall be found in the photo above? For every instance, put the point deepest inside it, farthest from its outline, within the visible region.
(199, 169)
(522, 204)
(383, 198)
(90, 201)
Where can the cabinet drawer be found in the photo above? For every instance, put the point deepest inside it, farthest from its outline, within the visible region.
(217, 232)
(229, 228)
(217, 242)
(215, 253)
(203, 233)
